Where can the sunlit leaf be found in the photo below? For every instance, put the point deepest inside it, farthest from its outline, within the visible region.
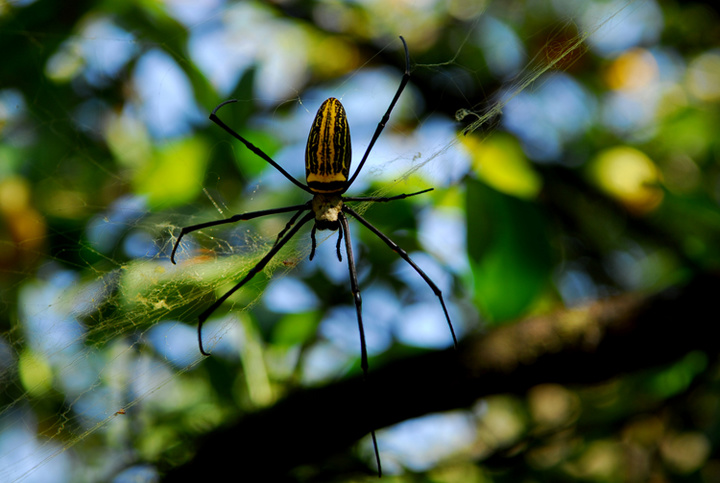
(174, 175)
(628, 175)
(500, 162)
(35, 373)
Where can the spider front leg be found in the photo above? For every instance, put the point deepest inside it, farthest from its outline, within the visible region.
(253, 271)
(257, 151)
(233, 219)
(386, 116)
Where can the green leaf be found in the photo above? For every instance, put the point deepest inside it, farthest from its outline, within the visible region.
(677, 377)
(247, 162)
(295, 329)
(174, 174)
(509, 252)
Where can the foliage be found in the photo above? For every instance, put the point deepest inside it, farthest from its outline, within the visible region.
(572, 151)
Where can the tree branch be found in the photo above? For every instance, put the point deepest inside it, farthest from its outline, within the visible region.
(574, 346)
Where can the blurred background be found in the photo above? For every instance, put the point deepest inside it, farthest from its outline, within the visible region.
(573, 155)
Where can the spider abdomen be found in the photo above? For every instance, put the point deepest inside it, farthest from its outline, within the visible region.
(328, 152)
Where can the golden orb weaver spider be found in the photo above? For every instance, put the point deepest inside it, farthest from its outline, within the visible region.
(327, 167)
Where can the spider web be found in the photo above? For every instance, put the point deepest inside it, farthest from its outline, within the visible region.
(103, 347)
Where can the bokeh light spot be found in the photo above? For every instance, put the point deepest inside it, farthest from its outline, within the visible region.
(629, 176)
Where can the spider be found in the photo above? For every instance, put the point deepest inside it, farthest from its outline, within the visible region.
(327, 169)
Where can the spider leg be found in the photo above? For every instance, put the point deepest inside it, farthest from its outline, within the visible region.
(403, 254)
(259, 152)
(383, 198)
(339, 242)
(344, 227)
(313, 242)
(253, 271)
(233, 219)
(386, 116)
(355, 291)
(290, 223)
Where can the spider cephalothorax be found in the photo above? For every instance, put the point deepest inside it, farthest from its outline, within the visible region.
(327, 209)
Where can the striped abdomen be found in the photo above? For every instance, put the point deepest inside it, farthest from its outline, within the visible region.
(328, 152)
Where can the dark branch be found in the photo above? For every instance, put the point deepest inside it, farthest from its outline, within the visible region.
(575, 346)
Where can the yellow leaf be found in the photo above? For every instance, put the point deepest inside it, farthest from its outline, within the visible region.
(629, 176)
(499, 161)
(35, 373)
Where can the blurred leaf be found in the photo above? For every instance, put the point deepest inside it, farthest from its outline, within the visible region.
(694, 221)
(236, 116)
(35, 373)
(392, 216)
(628, 175)
(677, 377)
(690, 132)
(152, 18)
(500, 162)
(248, 163)
(510, 255)
(243, 92)
(174, 176)
(295, 329)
